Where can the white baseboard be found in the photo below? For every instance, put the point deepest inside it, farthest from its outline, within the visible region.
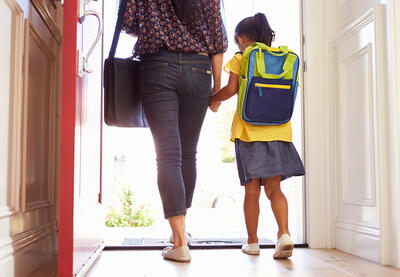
(358, 243)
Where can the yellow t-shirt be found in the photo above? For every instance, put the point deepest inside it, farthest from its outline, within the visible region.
(250, 132)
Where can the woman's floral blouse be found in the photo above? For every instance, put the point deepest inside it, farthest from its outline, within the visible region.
(157, 26)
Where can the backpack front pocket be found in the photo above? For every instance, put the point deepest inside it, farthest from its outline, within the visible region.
(269, 100)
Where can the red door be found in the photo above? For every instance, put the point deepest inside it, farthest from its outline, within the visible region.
(80, 216)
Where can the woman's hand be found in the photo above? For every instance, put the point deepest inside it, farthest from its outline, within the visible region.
(215, 90)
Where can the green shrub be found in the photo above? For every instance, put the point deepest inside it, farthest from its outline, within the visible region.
(228, 152)
(224, 122)
(228, 159)
(129, 214)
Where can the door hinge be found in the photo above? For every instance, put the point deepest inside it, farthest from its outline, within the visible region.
(81, 64)
(61, 1)
(82, 9)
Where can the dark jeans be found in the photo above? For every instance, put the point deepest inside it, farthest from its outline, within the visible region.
(175, 90)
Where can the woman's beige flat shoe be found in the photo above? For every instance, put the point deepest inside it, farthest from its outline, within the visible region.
(251, 249)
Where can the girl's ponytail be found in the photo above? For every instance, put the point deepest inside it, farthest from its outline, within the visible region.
(264, 32)
(256, 28)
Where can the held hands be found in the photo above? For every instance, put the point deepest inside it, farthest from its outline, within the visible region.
(214, 106)
(220, 95)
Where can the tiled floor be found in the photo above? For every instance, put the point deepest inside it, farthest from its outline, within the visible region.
(232, 262)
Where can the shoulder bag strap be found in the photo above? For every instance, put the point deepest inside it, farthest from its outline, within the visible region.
(118, 28)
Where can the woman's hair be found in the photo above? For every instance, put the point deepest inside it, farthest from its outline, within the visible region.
(186, 10)
(256, 28)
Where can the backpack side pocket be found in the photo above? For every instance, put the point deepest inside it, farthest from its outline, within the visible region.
(241, 95)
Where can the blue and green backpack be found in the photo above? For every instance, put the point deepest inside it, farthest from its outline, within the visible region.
(268, 84)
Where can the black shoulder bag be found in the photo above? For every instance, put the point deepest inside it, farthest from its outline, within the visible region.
(122, 105)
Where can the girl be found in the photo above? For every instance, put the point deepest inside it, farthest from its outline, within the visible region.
(265, 155)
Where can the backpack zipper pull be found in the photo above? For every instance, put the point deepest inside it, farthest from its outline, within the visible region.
(259, 91)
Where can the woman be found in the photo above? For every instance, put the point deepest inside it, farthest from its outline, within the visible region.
(180, 44)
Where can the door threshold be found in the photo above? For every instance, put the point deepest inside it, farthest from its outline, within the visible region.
(204, 243)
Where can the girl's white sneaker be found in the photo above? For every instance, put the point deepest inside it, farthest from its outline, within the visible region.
(180, 254)
(251, 249)
(284, 247)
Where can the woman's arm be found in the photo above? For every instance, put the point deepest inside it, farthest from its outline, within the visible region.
(216, 64)
(130, 17)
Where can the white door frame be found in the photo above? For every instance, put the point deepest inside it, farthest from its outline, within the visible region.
(391, 213)
(319, 21)
(315, 124)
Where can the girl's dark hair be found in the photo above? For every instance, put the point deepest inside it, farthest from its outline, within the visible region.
(256, 28)
(186, 10)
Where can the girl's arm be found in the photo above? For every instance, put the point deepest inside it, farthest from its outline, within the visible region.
(227, 91)
(216, 64)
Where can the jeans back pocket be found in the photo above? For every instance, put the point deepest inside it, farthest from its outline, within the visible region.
(152, 76)
(202, 80)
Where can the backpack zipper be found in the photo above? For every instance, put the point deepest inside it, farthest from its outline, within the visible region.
(259, 86)
(271, 86)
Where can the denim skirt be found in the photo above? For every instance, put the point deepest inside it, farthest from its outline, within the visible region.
(264, 159)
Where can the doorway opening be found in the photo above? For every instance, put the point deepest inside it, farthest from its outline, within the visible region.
(130, 193)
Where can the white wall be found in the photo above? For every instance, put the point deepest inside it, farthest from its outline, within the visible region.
(5, 84)
(10, 89)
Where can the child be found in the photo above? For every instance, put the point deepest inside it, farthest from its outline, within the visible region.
(265, 155)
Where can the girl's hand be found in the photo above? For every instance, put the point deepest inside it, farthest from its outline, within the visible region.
(214, 107)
